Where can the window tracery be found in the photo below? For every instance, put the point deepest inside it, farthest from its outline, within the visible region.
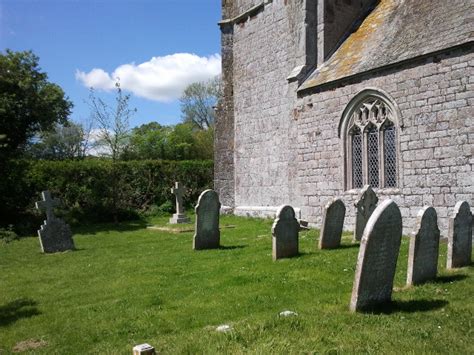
(370, 138)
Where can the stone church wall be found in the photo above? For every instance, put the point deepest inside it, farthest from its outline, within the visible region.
(262, 59)
(436, 98)
(273, 148)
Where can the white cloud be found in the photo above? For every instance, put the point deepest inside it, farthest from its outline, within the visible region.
(160, 79)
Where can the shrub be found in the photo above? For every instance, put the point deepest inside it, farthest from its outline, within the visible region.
(97, 190)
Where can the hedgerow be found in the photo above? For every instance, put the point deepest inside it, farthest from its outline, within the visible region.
(99, 190)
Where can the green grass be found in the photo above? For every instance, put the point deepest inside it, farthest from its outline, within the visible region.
(126, 285)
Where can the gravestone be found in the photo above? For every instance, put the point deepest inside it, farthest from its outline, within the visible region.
(54, 235)
(377, 258)
(424, 248)
(179, 216)
(285, 233)
(333, 223)
(460, 236)
(365, 207)
(207, 235)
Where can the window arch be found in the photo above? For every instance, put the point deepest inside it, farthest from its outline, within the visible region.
(369, 132)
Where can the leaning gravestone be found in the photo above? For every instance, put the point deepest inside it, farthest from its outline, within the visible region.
(333, 223)
(179, 217)
(424, 248)
(55, 235)
(377, 258)
(365, 207)
(207, 221)
(285, 233)
(460, 236)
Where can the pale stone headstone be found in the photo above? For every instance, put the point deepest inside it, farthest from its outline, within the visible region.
(207, 234)
(333, 223)
(377, 258)
(460, 236)
(179, 216)
(365, 206)
(424, 248)
(143, 349)
(55, 235)
(285, 233)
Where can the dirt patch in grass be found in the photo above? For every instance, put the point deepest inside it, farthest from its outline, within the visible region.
(29, 344)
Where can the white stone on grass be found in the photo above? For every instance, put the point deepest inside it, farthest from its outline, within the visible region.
(224, 328)
(288, 314)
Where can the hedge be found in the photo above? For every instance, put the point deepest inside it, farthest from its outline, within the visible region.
(99, 190)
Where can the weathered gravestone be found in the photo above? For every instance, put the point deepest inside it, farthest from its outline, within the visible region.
(424, 248)
(365, 207)
(207, 221)
(285, 233)
(179, 216)
(460, 236)
(55, 235)
(377, 258)
(333, 223)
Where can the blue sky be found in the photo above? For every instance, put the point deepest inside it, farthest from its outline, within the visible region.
(156, 47)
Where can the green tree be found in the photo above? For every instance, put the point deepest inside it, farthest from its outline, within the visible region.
(149, 141)
(28, 101)
(113, 123)
(114, 133)
(180, 142)
(198, 102)
(65, 141)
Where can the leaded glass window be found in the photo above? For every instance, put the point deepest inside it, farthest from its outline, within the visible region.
(390, 157)
(373, 156)
(371, 145)
(357, 180)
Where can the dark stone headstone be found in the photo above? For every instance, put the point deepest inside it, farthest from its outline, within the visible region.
(365, 206)
(424, 248)
(377, 258)
(460, 236)
(285, 233)
(55, 235)
(207, 235)
(333, 223)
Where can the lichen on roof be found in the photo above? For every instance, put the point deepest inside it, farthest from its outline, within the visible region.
(397, 30)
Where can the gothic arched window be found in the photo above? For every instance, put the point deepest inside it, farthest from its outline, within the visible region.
(369, 132)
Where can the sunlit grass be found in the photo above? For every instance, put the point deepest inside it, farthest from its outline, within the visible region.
(127, 285)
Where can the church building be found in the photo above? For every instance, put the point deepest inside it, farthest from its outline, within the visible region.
(323, 97)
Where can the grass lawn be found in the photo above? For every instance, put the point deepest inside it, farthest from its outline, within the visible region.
(126, 285)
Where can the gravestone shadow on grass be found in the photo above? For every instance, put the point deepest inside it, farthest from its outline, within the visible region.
(112, 227)
(232, 247)
(448, 279)
(16, 310)
(410, 306)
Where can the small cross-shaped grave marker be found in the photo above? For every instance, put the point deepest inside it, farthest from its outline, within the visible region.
(179, 216)
(178, 190)
(48, 204)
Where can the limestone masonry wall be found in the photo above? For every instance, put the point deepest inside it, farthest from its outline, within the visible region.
(274, 148)
(263, 47)
(436, 99)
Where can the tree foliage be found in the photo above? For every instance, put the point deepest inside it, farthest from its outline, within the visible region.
(180, 142)
(28, 101)
(198, 102)
(113, 123)
(65, 141)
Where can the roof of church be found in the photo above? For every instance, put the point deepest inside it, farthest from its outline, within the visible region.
(397, 30)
